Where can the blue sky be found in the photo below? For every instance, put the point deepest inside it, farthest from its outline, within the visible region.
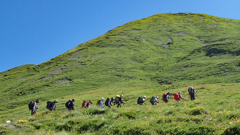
(34, 31)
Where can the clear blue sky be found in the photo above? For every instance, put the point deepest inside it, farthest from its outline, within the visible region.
(34, 31)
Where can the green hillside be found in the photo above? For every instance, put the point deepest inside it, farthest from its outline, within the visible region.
(165, 49)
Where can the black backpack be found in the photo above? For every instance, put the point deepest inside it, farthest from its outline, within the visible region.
(30, 105)
(69, 104)
(49, 104)
(140, 100)
(190, 90)
(106, 102)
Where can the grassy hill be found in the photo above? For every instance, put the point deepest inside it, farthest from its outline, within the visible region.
(164, 51)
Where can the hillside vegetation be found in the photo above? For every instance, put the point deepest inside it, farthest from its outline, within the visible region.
(164, 50)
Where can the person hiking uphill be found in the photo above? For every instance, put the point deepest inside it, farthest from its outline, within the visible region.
(86, 104)
(165, 97)
(153, 100)
(178, 96)
(119, 101)
(33, 106)
(69, 105)
(141, 100)
(192, 92)
(100, 102)
(51, 105)
(109, 102)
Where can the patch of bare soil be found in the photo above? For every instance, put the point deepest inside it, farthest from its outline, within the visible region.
(170, 40)
(60, 69)
(76, 56)
(158, 42)
(96, 55)
(63, 81)
(14, 127)
(44, 78)
(165, 46)
(180, 33)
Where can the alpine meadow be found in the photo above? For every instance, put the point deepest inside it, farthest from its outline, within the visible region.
(152, 56)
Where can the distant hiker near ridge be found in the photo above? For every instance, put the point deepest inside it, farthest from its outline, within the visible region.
(33, 106)
(100, 102)
(70, 104)
(192, 92)
(51, 105)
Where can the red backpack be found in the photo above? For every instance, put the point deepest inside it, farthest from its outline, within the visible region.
(30, 105)
(84, 103)
(176, 96)
(164, 97)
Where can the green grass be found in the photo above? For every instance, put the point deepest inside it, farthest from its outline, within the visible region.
(215, 111)
(138, 58)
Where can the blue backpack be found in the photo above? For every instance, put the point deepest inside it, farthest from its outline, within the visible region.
(140, 100)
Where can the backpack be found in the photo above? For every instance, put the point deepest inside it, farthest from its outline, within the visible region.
(152, 99)
(84, 103)
(68, 104)
(30, 105)
(176, 96)
(190, 90)
(164, 97)
(49, 104)
(140, 100)
(106, 102)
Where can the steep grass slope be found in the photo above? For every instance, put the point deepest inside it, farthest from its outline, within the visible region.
(176, 49)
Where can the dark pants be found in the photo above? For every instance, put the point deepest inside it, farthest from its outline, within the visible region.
(192, 95)
(33, 111)
(52, 108)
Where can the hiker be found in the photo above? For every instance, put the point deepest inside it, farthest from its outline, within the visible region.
(69, 105)
(178, 96)
(100, 102)
(119, 101)
(192, 92)
(153, 100)
(51, 105)
(33, 106)
(109, 101)
(165, 97)
(141, 100)
(86, 104)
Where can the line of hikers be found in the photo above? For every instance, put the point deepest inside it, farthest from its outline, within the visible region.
(118, 100)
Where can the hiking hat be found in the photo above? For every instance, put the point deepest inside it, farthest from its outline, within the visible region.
(118, 96)
(91, 101)
(73, 99)
(113, 97)
(144, 96)
(122, 95)
(37, 100)
(55, 101)
(157, 97)
(180, 92)
(102, 98)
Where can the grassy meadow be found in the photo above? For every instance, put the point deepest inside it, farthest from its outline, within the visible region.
(215, 111)
(151, 56)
